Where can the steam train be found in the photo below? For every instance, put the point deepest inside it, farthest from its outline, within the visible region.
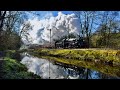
(71, 43)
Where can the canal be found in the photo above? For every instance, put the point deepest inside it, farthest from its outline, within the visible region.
(51, 69)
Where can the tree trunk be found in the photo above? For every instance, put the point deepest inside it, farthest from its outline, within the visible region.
(2, 17)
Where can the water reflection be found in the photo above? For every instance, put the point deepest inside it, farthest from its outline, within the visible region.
(54, 70)
(41, 67)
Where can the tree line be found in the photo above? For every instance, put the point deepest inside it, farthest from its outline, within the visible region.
(10, 23)
(101, 29)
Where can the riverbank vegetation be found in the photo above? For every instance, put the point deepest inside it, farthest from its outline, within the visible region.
(12, 69)
(100, 56)
(106, 69)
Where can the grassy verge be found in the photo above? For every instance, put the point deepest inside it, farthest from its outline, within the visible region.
(12, 69)
(96, 55)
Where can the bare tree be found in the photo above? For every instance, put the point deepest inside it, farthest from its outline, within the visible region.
(2, 18)
(10, 22)
(107, 23)
(87, 19)
(24, 32)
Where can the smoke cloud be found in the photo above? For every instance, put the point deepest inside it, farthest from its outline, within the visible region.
(60, 25)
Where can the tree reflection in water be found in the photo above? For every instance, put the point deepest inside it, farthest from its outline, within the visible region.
(57, 70)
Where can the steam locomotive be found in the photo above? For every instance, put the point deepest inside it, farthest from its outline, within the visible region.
(71, 43)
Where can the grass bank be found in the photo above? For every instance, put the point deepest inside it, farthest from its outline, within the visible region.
(12, 69)
(96, 55)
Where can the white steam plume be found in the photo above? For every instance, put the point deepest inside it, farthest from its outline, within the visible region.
(59, 25)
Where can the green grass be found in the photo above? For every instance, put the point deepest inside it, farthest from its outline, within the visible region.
(83, 54)
(12, 69)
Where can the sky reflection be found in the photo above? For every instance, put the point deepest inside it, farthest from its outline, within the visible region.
(47, 69)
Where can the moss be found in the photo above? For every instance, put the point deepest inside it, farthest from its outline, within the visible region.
(89, 57)
(12, 69)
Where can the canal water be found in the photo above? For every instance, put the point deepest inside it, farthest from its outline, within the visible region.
(47, 69)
